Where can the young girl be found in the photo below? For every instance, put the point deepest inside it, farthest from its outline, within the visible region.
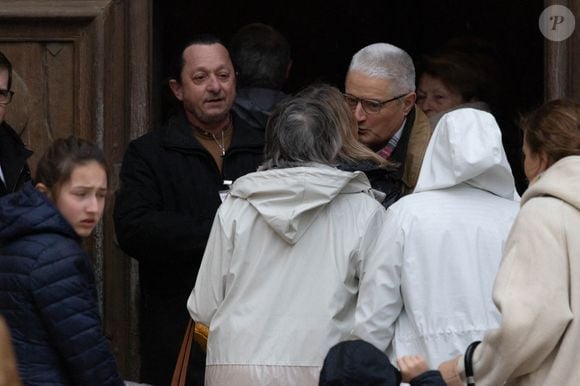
(47, 288)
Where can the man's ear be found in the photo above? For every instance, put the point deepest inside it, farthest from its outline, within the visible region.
(43, 189)
(176, 89)
(409, 102)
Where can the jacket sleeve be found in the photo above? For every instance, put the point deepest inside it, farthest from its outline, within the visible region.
(63, 289)
(210, 286)
(428, 378)
(531, 292)
(143, 228)
(379, 301)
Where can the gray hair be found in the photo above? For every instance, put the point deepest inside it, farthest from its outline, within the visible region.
(385, 61)
(301, 131)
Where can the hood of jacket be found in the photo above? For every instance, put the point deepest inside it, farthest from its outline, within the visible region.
(254, 104)
(290, 199)
(29, 211)
(560, 180)
(466, 147)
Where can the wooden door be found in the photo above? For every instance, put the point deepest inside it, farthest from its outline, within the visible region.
(82, 68)
(562, 59)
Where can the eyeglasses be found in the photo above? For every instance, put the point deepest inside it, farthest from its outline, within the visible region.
(5, 96)
(370, 106)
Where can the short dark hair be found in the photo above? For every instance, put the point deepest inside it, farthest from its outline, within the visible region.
(205, 39)
(260, 55)
(5, 64)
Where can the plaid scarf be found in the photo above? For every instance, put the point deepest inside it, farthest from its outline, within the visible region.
(386, 151)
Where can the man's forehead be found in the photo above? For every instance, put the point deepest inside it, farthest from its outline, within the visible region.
(359, 82)
(212, 56)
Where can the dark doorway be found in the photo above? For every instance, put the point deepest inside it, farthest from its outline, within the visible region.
(325, 34)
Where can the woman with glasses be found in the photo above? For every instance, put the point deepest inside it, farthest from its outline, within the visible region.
(14, 171)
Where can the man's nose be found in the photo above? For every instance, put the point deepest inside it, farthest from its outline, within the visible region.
(213, 84)
(359, 113)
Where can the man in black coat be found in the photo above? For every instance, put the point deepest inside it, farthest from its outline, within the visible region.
(14, 170)
(171, 181)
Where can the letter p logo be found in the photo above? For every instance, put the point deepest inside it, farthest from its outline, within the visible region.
(557, 23)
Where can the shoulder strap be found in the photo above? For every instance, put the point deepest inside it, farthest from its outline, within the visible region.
(468, 362)
(180, 371)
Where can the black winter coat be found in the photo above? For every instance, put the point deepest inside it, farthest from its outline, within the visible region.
(164, 210)
(48, 296)
(384, 179)
(13, 156)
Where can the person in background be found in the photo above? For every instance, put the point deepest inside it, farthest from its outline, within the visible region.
(261, 58)
(455, 78)
(14, 170)
(170, 185)
(47, 285)
(537, 289)
(353, 154)
(445, 242)
(359, 363)
(380, 89)
(286, 270)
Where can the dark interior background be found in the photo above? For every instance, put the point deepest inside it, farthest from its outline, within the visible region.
(325, 34)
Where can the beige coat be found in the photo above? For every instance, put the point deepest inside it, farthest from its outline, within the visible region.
(418, 141)
(537, 291)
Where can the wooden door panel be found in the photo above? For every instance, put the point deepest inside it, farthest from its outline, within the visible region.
(80, 68)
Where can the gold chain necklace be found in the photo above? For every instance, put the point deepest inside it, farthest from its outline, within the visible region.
(221, 143)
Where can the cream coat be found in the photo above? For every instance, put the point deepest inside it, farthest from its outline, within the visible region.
(445, 241)
(538, 289)
(293, 261)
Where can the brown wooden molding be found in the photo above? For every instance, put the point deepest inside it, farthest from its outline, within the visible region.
(60, 9)
(561, 73)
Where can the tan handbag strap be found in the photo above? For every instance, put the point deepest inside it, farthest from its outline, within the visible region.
(180, 371)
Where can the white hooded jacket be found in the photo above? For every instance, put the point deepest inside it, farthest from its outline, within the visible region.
(445, 241)
(538, 289)
(287, 260)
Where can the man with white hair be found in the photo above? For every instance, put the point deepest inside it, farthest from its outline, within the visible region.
(380, 89)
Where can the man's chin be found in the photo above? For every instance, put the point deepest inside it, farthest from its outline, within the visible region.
(364, 138)
(210, 117)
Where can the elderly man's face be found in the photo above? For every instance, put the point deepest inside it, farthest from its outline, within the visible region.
(208, 85)
(375, 129)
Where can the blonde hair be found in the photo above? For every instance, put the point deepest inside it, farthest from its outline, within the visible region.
(352, 150)
(554, 128)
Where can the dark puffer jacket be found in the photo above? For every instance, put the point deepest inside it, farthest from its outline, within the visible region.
(48, 296)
